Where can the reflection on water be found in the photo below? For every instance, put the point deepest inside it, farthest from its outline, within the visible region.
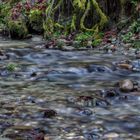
(69, 83)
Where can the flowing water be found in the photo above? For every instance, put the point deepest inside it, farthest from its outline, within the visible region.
(68, 84)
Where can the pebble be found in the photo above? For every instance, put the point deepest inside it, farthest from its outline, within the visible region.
(67, 48)
(126, 85)
(37, 38)
(111, 135)
(125, 66)
(49, 113)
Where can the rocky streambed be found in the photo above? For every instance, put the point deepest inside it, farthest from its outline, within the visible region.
(48, 94)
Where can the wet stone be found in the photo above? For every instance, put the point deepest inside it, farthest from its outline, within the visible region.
(98, 68)
(40, 136)
(94, 134)
(49, 113)
(37, 38)
(126, 85)
(111, 135)
(67, 48)
(136, 65)
(34, 74)
(31, 99)
(89, 101)
(83, 112)
(102, 103)
(109, 93)
(4, 73)
(3, 56)
(125, 66)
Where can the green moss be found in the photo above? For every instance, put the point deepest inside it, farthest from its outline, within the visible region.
(84, 16)
(17, 29)
(103, 17)
(83, 36)
(57, 18)
(96, 42)
(4, 12)
(80, 4)
(11, 67)
(36, 20)
(73, 23)
(48, 27)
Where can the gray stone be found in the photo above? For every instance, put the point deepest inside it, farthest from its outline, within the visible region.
(126, 85)
(111, 135)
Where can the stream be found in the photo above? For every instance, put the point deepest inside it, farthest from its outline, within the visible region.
(65, 95)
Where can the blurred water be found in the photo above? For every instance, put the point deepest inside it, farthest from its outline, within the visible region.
(53, 79)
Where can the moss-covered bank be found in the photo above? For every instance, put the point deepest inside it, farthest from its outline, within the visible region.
(62, 16)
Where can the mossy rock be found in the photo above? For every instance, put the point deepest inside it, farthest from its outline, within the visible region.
(35, 24)
(17, 29)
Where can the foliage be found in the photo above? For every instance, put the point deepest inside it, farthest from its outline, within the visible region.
(134, 28)
(83, 36)
(127, 37)
(35, 12)
(136, 44)
(76, 21)
(96, 42)
(54, 18)
(134, 2)
(17, 29)
(60, 43)
(57, 34)
(25, 11)
(4, 12)
(36, 20)
(11, 67)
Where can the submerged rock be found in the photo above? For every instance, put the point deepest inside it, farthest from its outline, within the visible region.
(89, 101)
(49, 113)
(3, 55)
(83, 112)
(98, 68)
(109, 93)
(136, 65)
(95, 133)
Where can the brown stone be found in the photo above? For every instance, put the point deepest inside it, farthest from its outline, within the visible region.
(125, 66)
